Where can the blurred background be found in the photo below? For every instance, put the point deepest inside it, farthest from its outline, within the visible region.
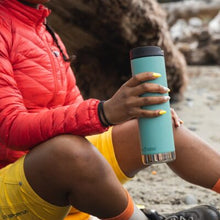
(195, 29)
(101, 33)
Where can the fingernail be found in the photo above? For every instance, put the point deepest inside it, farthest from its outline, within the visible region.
(166, 89)
(181, 121)
(167, 98)
(156, 75)
(162, 112)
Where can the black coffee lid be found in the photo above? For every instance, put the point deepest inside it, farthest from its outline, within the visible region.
(145, 51)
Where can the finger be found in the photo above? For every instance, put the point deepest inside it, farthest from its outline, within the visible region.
(134, 102)
(142, 113)
(149, 87)
(175, 118)
(138, 112)
(145, 101)
(141, 77)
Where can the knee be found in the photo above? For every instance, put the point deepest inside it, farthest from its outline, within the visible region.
(71, 147)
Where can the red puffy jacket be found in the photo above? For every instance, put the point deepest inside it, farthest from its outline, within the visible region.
(39, 98)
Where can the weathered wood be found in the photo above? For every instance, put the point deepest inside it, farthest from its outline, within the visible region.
(189, 9)
(198, 40)
(101, 33)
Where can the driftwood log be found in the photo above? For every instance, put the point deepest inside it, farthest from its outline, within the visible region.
(101, 33)
(189, 9)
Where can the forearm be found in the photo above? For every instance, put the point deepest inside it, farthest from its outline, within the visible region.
(22, 130)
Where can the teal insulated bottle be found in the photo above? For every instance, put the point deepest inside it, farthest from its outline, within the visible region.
(156, 134)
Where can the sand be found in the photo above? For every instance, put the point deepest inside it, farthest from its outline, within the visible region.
(157, 187)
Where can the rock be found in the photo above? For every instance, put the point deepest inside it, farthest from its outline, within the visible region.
(190, 199)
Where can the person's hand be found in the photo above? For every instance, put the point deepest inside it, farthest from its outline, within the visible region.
(126, 103)
(176, 120)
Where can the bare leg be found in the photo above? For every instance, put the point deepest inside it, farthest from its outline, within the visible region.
(126, 144)
(69, 170)
(196, 162)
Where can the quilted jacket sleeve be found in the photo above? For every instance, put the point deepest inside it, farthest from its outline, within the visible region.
(22, 130)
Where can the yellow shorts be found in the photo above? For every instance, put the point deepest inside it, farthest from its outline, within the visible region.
(18, 201)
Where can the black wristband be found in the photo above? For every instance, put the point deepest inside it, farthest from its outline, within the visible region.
(102, 116)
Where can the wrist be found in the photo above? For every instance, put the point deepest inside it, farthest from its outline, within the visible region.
(102, 116)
